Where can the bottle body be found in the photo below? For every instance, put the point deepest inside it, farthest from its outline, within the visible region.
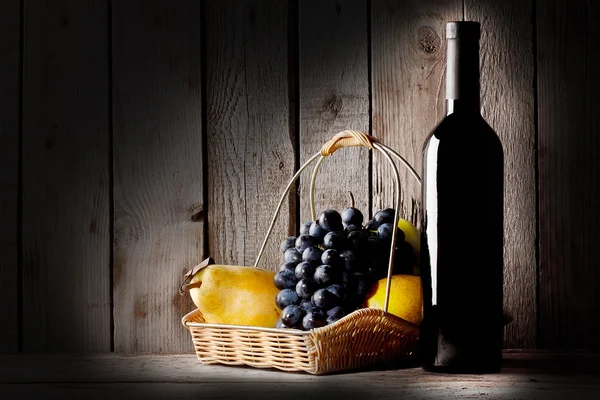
(462, 227)
(462, 247)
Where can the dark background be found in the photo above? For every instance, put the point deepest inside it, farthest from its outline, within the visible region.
(138, 137)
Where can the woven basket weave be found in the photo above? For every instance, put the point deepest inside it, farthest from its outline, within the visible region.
(362, 339)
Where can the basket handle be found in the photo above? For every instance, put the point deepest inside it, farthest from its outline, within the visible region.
(348, 139)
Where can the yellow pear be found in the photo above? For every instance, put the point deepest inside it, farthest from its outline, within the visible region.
(412, 234)
(235, 295)
(406, 297)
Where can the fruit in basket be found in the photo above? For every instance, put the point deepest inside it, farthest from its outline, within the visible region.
(341, 263)
(324, 299)
(314, 318)
(327, 274)
(303, 242)
(406, 300)
(292, 255)
(316, 230)
(331, 221)
(287, 243)
(287, 297)
(305, 270)
(351, 216)
(412, 235)
(292, 316)
(305, 228)
(236, 295)
(285, 279)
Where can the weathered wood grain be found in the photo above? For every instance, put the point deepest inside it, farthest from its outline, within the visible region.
(66, 246)
(524, 376)
(334, 95)
(10, 24)
(158, 179)
(408, 68)
(568, 56)
(250, 143)
(507, 103)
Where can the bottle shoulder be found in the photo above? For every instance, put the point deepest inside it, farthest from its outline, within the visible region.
(462, 129)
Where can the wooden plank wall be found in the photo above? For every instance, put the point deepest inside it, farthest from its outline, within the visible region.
(158, 161)
(10, 27)
(147, 135)
(408, 66)
(250, 140)
(334, 95)
(568, 59)
(65, 175)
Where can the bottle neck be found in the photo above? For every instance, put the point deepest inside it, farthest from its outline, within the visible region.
(462, 76)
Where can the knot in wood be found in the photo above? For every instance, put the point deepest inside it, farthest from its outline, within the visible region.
(429, 41)
(333, 105)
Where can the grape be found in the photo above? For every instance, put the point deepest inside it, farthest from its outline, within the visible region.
(384, 232)
(349, 282)
(306, 287)
(286, 297)
(305, 270)
(307, 305)
(364, 284)
(312, 254)
(326, 275)
(334, 240)
(336, 312)
(332, 257)
(288, 266)
(317, 231)
(292, 316)
(314, 319)
(287, 243)
(324, 299)
(357, 240)
(383, 216)
(351, 216)
(291, 255)
(374, 247)
(351, 228)
(285, 280)
(305, 241)
(404, 259)
(351, 260)
(279, 324)
(371, 225)
(331, 220)
(376, 272)
(330, 320)
(338, 290)
(305, 227)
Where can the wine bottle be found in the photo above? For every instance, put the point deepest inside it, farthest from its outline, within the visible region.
(462, 223)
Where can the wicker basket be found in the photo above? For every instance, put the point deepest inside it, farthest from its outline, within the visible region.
(363, 339)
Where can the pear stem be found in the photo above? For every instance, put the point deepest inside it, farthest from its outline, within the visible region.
(187, 286)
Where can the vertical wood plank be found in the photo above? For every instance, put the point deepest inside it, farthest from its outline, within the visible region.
(334, 95)
(507, 102)
(10, 24)
(250, 143)
(568, 54)
(66, 304)
(408, 68)
(158, 178)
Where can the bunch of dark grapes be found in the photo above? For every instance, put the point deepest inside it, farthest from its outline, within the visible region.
(329, 269)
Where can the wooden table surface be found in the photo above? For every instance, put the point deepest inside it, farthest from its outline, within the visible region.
(525, 375)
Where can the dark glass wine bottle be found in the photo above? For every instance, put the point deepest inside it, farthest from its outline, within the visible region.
(462, 226)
